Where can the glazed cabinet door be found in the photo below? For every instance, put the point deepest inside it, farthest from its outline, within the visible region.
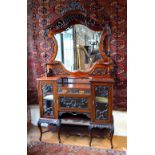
(102, 103)
(46, 98)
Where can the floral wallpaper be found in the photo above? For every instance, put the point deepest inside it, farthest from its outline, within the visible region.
(41, 13)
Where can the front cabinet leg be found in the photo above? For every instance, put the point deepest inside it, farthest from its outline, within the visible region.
(90, 135)
(40, 129)
(111, 137)
(59, 129)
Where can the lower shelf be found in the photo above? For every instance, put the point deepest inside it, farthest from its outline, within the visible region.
(74, 116)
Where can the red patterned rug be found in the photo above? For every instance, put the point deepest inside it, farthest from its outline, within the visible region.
(41, 148)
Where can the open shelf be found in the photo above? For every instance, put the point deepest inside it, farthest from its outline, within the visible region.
(74, 86)
(74, 119)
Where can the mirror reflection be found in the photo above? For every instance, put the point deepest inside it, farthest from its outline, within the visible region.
(78, 47)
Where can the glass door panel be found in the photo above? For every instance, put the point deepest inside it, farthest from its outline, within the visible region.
(101, 102)
(48, 100)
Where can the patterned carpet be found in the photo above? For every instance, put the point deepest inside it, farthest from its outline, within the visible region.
(41, 148)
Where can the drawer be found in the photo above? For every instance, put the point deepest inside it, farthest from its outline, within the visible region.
(73, 102)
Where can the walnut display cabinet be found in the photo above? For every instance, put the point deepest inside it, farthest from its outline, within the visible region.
(77, 91)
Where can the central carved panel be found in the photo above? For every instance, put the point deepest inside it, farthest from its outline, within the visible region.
(73, 102)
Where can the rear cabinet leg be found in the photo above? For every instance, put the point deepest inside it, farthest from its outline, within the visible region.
(90, 135)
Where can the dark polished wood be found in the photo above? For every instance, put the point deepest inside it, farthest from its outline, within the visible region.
(64, 22)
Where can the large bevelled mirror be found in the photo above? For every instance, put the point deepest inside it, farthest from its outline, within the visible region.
(78, 47)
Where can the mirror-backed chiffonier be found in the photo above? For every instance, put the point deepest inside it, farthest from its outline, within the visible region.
(76, 93)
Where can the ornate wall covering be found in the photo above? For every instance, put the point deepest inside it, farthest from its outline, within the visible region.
(44, 12)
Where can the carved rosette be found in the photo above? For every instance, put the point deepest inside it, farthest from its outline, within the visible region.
(98, 72)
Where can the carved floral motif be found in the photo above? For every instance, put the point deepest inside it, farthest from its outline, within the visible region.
(73, 102)
(98, 72)
(78, 18)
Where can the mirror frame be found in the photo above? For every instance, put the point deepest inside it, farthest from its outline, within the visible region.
(73, 18)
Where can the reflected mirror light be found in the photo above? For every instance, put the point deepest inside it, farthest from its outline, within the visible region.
(78, 47)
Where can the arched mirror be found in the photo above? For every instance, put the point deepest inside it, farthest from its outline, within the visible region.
(78, 47)
(81, 46)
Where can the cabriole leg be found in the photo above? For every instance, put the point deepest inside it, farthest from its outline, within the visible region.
(40, 129)
(111, 137)
(59, 130)
(90, 135)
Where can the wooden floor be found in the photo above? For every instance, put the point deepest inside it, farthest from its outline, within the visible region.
(119, 142)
